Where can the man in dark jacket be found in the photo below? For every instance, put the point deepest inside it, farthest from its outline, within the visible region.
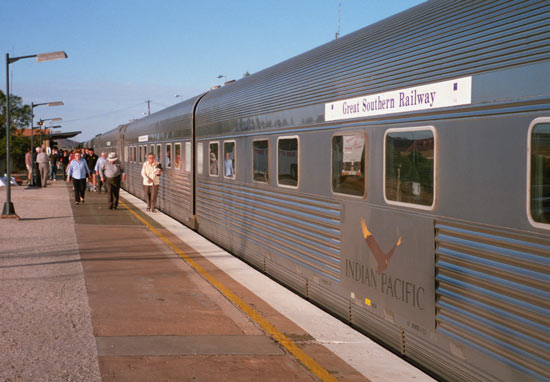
(64, 159)
(91, 159)
(54, 158)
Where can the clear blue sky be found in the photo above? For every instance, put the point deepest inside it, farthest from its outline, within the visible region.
(122, 53)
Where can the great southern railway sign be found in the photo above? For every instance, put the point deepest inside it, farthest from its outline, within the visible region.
(440, 94)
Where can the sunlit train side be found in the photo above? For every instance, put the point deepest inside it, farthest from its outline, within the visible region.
(399, 177)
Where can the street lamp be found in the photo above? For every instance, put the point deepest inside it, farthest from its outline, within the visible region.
(32, 183)
(9, 211)
(41, 123)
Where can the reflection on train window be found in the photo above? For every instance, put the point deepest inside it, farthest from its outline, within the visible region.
(188, 156)
(260, 159)
(177, 156)
(348, 164)
(158, 156)
(168, 156)
(213, 155)
(200, 158)
(540, 173)
(287, 162)
(229, 160)
(410, 167)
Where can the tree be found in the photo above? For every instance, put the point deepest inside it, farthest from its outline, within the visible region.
(20, 117)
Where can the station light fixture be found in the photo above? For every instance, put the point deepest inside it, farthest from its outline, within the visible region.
(8, 211)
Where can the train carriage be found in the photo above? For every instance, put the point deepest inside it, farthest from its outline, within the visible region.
(398, 177)
(169, 135)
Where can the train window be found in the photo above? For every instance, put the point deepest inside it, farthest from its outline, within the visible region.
(409, 166)
(539, 174)
(125, 153)
(348, 164)
(132, 154)
(213, 155)
(188, 156)
(200, 158)
(151, 150)
(177, 156)
(141, 154)
(229, 155)
(158, 156)
(168, 157)
(287, 161)
(260, 160)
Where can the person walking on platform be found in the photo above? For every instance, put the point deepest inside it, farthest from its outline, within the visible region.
(43, 166)
(100, 183)
(91, 159)
(111, 173)
(64, 159)
(53, 165)
(28, 164)
(79, 171)
(36, 177)
(150, 171)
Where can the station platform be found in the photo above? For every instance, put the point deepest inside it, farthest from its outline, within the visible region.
(93, 294)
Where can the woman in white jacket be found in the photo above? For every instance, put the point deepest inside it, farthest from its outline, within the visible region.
(150, 172)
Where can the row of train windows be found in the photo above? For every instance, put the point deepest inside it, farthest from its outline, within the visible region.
(409, 165)
(138, 154)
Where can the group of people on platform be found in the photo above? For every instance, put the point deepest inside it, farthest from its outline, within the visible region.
(87, 170)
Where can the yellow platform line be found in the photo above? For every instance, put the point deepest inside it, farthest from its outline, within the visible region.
(286, 342)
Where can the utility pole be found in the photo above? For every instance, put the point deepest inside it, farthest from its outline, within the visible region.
(148, 107)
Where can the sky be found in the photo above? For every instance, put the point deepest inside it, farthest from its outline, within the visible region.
(122, 53)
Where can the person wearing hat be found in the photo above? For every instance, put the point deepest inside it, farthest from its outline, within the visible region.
(111, 173)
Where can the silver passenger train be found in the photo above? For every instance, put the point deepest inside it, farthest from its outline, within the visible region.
(399, 177)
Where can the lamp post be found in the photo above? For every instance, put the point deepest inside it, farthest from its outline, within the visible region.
(8, 210)
(32, 183)
(41, 123)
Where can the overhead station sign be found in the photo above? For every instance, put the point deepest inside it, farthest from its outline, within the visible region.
(440, 94)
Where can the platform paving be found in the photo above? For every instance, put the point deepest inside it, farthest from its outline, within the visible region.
(90, 294)
(45, 321)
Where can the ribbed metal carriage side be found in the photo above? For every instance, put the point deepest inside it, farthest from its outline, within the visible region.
(305, 230)
(493, 293)
(107, 141)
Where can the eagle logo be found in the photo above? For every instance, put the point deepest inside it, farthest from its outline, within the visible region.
(381, 258)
